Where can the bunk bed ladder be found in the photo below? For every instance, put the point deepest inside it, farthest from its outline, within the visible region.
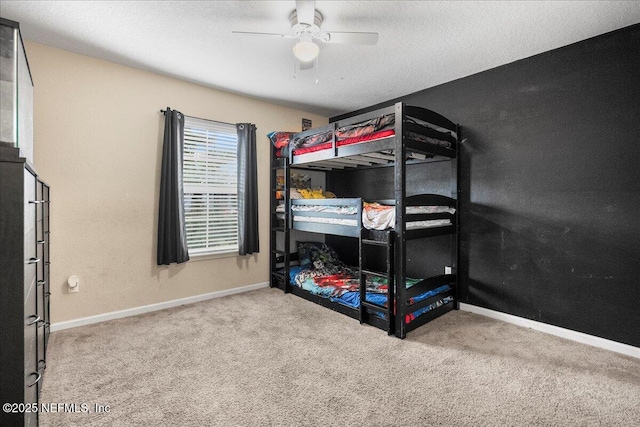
(387, 274)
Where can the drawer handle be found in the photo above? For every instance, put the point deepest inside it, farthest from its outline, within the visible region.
(38, 378)
(36, 202)
(35, 320)
(41, 242)
(34, 260)
(41, 282)
(42, 364)
(46, 294)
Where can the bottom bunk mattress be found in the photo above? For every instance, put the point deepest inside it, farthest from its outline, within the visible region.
(341, 283)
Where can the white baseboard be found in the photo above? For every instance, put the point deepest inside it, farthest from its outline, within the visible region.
(153, 307)
(580, 337)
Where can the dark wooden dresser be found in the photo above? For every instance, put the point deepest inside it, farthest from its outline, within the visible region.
(24, 286)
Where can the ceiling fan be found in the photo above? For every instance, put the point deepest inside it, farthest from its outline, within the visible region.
(306, 23)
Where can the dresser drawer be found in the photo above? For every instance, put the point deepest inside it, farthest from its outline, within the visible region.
(29, 201)
(40, 230)
(46, 206)
(47, 313)
(31, 419)
(40, 344)
(45, 196)
(31, 395)
(47, 332)
(40, 255)
(40, 297)
(31, 261)
(40, 197)
(45, 277)
(39, 209)
(46, 247)
(31, 322)
(30, 239)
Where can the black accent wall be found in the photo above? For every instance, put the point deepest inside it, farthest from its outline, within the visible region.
(550, 180)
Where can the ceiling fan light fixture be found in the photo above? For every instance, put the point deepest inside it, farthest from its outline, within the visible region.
(306, 50)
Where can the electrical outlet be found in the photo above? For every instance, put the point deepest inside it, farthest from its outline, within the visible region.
(447, 270)
(74, 283)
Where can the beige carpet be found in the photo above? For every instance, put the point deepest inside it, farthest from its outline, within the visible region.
(268, 359)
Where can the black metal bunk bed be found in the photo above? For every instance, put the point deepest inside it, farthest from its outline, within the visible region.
(411, 135)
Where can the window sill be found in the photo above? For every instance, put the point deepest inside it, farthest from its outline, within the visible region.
(206, 257)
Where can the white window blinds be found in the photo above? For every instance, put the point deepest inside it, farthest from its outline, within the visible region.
(210, 186)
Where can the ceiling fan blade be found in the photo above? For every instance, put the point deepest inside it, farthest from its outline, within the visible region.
(251, 33)
(306, 10)
(350, 38)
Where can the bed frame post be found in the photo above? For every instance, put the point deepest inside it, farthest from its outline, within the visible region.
(274, 276)
(273, 204)
(455, 237)
(362, 283)
(334, 146)
(287, 225)
(400, 181)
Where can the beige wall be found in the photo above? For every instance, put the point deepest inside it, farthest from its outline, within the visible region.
(98, 142)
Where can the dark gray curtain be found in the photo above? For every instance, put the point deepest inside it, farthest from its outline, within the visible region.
(247, 190)
(172, 233)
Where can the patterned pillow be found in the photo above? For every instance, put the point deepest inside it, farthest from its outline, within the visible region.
(316, 253)
(280, 139)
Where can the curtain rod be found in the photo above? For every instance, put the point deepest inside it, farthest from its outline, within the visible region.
(200, 118)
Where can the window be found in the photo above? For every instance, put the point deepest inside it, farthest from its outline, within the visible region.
(210, 186)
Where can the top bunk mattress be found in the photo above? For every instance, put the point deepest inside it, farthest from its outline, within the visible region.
(419, 125)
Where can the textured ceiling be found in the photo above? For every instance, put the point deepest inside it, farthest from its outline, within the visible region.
(421, 43)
